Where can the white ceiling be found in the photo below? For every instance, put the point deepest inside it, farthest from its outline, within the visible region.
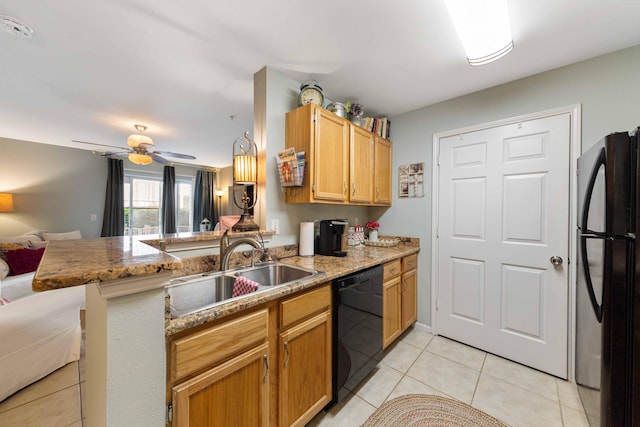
(94, 68)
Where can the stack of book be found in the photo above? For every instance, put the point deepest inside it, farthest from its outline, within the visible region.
(378, 125)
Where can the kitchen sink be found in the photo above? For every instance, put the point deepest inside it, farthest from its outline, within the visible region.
(195, 293)
(275, 274)
(188, 295)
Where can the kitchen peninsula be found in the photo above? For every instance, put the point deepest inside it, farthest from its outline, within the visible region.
(128, 322)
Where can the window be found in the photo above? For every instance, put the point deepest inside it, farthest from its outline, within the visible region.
(142, 201)
(184, 204)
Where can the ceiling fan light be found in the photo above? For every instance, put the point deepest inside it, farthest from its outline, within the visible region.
(483, 27)
(140, 159)
(136, 139)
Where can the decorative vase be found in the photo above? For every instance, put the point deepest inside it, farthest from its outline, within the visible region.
(373, 236)
(356, 120)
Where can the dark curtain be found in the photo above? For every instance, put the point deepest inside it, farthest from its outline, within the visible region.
(113, 218)
(204, 199)
(168, 211)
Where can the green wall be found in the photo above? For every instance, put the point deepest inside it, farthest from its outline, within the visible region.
(59, 188)
(55, 188)
(607, 87)
(274, 95)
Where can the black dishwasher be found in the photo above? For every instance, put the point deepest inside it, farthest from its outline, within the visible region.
(357, 328)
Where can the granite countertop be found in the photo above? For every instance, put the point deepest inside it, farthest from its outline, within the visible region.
(165, 240)
(333, 267)
(69, 263)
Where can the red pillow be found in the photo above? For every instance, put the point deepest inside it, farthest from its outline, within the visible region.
(24, 260)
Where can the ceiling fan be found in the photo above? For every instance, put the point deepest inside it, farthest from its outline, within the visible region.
(141, 149)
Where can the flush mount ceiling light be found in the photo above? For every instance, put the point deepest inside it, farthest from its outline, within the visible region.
(483, 27)
(15, 26)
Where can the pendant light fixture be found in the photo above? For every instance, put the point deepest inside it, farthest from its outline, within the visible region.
(483, 27)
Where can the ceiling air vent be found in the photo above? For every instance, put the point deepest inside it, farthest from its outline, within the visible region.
(15, 26)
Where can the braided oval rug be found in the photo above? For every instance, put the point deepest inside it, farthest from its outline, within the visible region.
(426, 410)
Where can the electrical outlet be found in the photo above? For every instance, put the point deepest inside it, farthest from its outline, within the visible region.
(275, 226)
(94, 217)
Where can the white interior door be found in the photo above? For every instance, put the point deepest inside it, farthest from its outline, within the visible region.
(503, 212)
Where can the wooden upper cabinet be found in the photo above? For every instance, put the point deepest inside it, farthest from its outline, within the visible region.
(341, 163)
(331, 157)
(360, 165)
(324, 137)
(382, 175)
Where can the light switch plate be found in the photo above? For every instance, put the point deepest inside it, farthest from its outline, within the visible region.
(275, 226)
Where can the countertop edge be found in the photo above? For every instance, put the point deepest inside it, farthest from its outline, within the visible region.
(174, 326)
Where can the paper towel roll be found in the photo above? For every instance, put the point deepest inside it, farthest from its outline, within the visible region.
(305, 248)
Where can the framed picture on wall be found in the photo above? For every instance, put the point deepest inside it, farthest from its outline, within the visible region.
(411, 180)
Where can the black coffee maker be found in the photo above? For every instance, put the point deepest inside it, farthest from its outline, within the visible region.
(328, 239)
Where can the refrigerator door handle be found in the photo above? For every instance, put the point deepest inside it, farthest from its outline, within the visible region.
(587, 234)
(597, 308)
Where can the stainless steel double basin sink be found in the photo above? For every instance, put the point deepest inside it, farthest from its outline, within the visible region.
(188, 295)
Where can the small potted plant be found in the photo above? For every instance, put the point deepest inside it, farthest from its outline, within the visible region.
(354, 112)
(373, 230)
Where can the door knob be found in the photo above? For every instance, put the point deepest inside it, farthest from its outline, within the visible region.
(556, 260)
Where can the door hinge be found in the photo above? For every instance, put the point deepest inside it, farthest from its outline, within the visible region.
(313, 117)
(313, 188)
(169, 416)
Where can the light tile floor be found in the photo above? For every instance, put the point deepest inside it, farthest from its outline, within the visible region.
(422, 363)
(417, 363)
(54, 401)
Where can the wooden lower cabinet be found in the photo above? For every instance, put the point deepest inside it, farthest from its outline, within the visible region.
(236, 393)
(305, 370)
(399, 297)
(271, 366)
(409, 298)
(391, 311)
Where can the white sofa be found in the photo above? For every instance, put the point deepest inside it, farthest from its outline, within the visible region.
(39, 331)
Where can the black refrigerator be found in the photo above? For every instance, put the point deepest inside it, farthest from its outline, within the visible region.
(608, 288)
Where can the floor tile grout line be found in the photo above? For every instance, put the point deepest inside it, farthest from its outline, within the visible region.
(42, 396)
(559, 403)
(475, 389)
(421, 382)
(80, 391)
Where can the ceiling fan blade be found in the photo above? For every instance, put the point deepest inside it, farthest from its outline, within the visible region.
(99, 145)
(158, 159)
(120, 153)
(178, 155)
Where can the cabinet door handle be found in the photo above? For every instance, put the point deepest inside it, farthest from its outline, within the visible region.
(265, 358)
(354, 189)
(286, 352)
(346, 189)
(377, 191)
